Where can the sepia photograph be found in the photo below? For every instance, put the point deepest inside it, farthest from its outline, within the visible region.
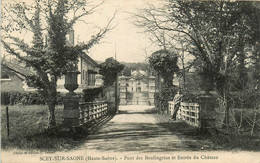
(129, 81)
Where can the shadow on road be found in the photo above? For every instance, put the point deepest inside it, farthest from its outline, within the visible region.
(147, 111)
(143, 137)
(141, 130)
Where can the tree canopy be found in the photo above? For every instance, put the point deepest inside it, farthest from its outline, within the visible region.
(165, 63)
(47, 57)
(217, 33)
(110, 69)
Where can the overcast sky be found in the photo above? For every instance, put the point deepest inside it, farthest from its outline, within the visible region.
(126, 39)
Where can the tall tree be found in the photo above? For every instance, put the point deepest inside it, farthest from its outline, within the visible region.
(110, 69)
(215, 29)
(50, 60)
(165, 64)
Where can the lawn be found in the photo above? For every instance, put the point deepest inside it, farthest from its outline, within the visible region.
(28, 129)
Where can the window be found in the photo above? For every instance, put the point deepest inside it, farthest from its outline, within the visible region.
(91, 79)
(5, 78)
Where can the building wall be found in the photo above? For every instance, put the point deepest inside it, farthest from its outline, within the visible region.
(84, 77)
(99, 80)
(14, 83)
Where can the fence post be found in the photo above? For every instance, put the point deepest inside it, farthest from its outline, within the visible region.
(207, 112)
(7, 122)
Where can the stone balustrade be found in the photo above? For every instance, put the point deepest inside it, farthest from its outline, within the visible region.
(92, 111)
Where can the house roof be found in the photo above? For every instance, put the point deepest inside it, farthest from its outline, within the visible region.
(85, 56)
(17, 66)
(139, 72)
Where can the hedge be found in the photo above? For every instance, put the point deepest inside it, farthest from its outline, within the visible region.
(25, 98)
(91, 94)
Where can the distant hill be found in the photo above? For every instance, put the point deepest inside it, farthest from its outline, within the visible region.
(134, 66)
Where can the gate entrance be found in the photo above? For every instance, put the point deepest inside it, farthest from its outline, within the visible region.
(138, 98)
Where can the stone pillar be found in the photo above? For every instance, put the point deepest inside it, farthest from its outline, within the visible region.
(110, 99)
(207, 115)
(71, 111)
(122, 89)
(71, 100)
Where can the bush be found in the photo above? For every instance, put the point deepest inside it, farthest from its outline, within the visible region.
(167, 94)
(25, 98)
(157, 101)
(189, 97)
(89, 95)
(244, 99)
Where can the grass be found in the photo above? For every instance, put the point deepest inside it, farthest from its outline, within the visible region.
(28, 129)
(217, 140)
(28, 132)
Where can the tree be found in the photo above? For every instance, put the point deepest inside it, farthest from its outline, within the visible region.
(165, 64)
(109, 69)
(166, 39)
(48, 60)
(215, 30)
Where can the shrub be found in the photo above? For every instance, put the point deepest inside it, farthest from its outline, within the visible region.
(25, 98)
(189, 97)
(89, 95)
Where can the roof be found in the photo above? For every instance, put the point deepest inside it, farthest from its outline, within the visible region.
(85, 56)
(17, 66)
(140, 72)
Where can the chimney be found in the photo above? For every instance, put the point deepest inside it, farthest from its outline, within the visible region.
(71, 37)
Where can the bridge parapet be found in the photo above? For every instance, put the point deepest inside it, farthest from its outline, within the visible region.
(188, 112)
(92, 111)
(200, 115)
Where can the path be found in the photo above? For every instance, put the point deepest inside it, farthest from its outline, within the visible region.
(135, 129)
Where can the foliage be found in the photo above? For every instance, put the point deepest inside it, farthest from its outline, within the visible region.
(223, 35)
(164, 62)
(90, 94)
(139, 76)
(50, 60)
(136, 66)
(110, 69)
(25, 98)
(127, 71)
(167, 94)
(189, 97)
(157, 102)
(220, 32)
(217, 33)
(207, 79)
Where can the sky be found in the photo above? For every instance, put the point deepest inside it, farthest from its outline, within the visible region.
(126, 40)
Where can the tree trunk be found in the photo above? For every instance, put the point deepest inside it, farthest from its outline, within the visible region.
(254, 122)
(225, 106)
(51, 117)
